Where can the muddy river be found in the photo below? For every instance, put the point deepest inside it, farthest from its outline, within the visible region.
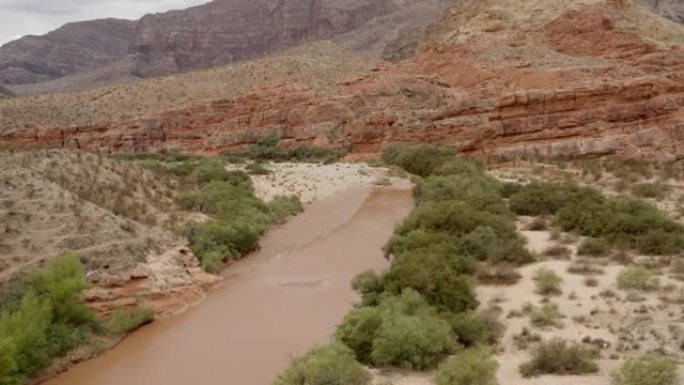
(273, 305)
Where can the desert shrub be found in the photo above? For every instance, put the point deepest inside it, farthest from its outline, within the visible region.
(547, 282)
(282, 207)
(436, 276)
(266, 149)
(358, 331)
(546, 316)
(469, 367)
(560, 358)
(497, 275)
(214, 170)
(647, 370)
(595, 247)
(651, 190)
(256, 168)
(371, 286)
(538, 224)
(123, 321)
(458, 219)
(509, 189)
(557, 251)
(547, 198)
(214, 242)
(413, 342)
(637, 278)
(311, 154)
(585, 211)
(419, 159)
(477, 328)
(324, 365)
(47, 321)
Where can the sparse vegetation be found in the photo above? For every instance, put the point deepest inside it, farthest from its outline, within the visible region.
(651, 190)
(547, 282)
(561, 358)
(419, 159)
(547, 316)
(637, 278)
(647, 370)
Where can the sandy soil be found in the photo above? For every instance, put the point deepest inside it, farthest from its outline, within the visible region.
(313, 182)
(628, 327)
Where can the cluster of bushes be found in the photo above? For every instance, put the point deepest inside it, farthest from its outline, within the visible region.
(269, 148)
(43, 317)
(423, 310)
(238, 217)
(624, 223)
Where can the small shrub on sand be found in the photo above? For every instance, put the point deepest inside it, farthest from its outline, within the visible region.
(547, 282)
(469, 367)
(594, 247)
(647, 370)
(637, 278)
(538, 224)
(324, 365)
(559, 357)
(546, 316)
(558, 251)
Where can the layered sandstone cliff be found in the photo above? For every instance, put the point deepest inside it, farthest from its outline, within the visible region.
(502, 79)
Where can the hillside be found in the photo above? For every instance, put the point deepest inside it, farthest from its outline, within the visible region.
(116, 215)
(503, 79)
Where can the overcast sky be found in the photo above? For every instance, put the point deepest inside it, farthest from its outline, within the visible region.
(37, 17)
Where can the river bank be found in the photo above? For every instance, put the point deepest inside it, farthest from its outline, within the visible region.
(273, 305)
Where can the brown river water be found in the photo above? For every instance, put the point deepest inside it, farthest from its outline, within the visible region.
(274, 305)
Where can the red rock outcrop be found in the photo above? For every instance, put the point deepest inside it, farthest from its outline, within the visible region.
(573, 80)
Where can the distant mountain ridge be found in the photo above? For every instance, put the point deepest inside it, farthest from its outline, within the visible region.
(217, 33)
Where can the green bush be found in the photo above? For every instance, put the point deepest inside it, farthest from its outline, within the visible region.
(358, 331)
(647, 370)
(547, 198)
(123, 321)
(637, 278)
(547, 282)
(560, 358)
(546, 316)
(469, 367)
(419, 159)
(595, 247)
(477, 328)
(325, 365)
(371, 286)
(282, 207)
(47, 321)
(436, 276)
(415, 342)
(215, 242)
